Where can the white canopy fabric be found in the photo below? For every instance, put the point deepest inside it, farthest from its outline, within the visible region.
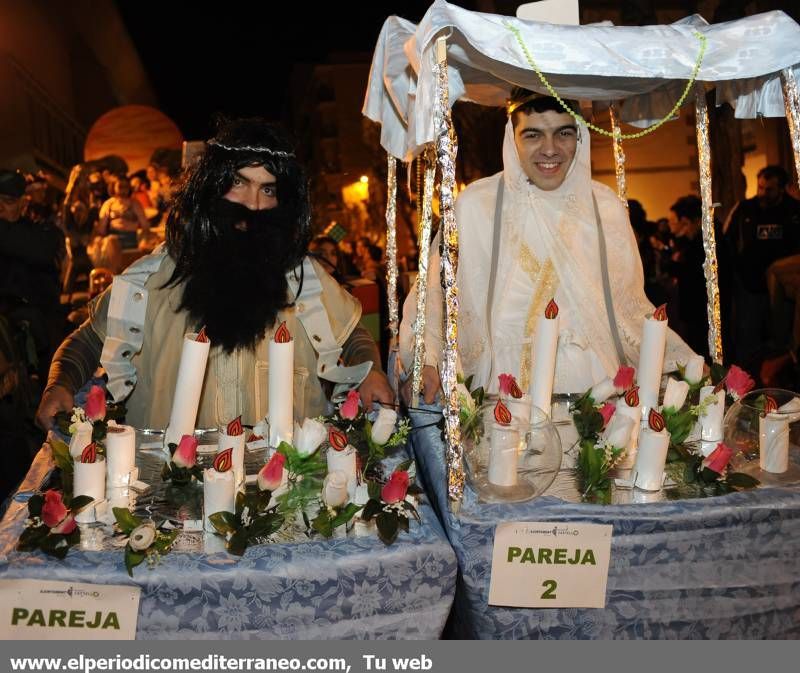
(645, 66)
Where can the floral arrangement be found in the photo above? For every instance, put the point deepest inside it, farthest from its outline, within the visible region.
(388, 504)
(89, 423)
(145, 542)
(182, 466)
(711, 475)
(51, 525)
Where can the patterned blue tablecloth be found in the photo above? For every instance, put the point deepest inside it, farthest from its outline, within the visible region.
(352, 587)
(724, 567)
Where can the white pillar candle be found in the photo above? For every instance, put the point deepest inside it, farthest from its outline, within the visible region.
(503, 455)
(545, 345)
(693, 372)
(89, 479)
(281, 386)
(651, 360)
(219, 495)
(80, 439)
(711, 420)
(188, 387)
(773, 443)
(235, 442)
(120, 454)
(648, 470)
(345, 460)
(635, 414)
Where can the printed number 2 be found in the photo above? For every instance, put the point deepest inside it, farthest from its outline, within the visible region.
(550, 586)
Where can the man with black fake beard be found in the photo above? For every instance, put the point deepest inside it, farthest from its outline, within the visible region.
(235, 263)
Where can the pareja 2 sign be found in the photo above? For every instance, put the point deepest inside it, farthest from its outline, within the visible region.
(550, 565)
(45, 610)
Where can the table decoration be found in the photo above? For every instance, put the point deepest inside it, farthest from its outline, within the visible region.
(144, 542)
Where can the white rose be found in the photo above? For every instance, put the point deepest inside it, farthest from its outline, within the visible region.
(142, 536)
(618, 432)
(334, 489)
(693, 372)
(600, 392)
(81, 438)
(465, 399)
(675, 394)
(383, 427)
(309, 436)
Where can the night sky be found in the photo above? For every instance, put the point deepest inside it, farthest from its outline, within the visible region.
(236, 57)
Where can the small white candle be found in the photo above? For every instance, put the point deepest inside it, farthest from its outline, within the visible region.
(773, 443)
(545, 345)
(345, 460)
(711, 420)
(648, 471)
(635, 414)
(89, 479)
(236, 442)
(503, 455)
(188, 388)
(120, 454)
(281, 386)
(651, 360)
(219, 495)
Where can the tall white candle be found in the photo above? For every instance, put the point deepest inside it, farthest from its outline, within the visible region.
(281, 386)
(635, 414)
(345, 460)
(545, 345)
(651, 358)
(503, 455)
(219, 494)
(188, 387)
(648, 470)
(120, 454)
(773, 443)
(711, 420)
(89, 479)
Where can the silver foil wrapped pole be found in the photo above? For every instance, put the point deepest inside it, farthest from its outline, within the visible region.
(424, 234)
(791, 100)
(446, 152)
(709, 237)
(391, 243)
(619, 157)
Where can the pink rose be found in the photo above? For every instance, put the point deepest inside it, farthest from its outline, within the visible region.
(624, 378)
(738, 382)
(509, 386)
(66, 526)
(186, 453)
(349, 408)
(396, 488)
(718, 459)
(607, 411)
(53, 510)
(270, 476)
(95, 406)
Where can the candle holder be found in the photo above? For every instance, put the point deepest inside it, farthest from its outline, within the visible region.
(512, 461)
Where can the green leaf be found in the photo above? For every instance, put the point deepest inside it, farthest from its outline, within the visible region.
(741, 480)
(322, 523)
(402, 523)
(718, 372)
(408, 507)
(372, 508)
(80, 502)
(132, 558)
(266, 525)
(164, 541)
(343, 516)
(387, 527)
(238, 542)
(61, 456)
(404, 466)
(125, 520)
(223, 522)
(166, 472)
(374, 490)
(32, 537)
(468, 382)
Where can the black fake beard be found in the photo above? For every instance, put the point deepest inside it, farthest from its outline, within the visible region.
(238, 284)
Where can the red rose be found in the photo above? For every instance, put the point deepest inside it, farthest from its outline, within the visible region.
(66, 526)
(270, 476)
(396, 488)
(738, 382)
(624, 378)
(95, 406)
(607, 411)
(718, 459)
(54, 511)
(349, 408)
(186, 453)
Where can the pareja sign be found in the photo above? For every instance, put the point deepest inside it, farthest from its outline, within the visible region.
(550, 565)
(45, 610)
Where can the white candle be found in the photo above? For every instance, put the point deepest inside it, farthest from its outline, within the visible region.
(635, 414)
(545, 345)
(219, 495)
(693, 372)
(648, 471)
(344, 460)
(503, 455)
(188, 388)
(120, 454)
(773, 443)
(711, 420)
(89, 479)
(80, 439)
(281, 386)
(651, 360)
(236, 442)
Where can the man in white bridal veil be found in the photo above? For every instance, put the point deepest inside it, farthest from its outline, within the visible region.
(540, 230)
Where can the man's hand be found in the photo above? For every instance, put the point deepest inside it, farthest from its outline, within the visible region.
(54, 399)
(431, 385)
(376, 388)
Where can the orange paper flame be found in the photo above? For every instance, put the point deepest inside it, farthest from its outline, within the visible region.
(551, 311)
(656, 421)
(202, 337)
(632, 397)
(89, 454)
(660, 313)
(235, 428)
(282, 334)
(501, 413)
(223, 461)
(337, 439)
